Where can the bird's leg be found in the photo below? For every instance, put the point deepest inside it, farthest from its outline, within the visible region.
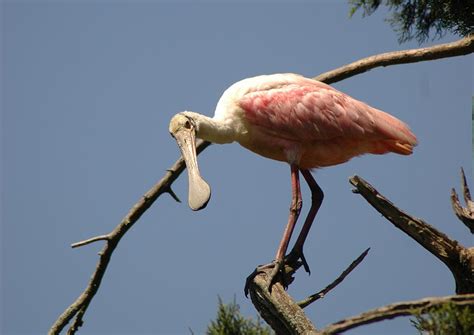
(317, 196)
(295, 209)
(278, 264)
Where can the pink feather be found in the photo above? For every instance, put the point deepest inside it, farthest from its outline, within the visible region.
(311, 123)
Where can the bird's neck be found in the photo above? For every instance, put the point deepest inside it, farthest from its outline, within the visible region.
(213, 130)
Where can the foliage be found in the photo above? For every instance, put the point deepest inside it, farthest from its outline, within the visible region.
(229, 321)
(447, 319)
(417, 18)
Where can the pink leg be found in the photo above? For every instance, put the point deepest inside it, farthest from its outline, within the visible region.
(317, 196)
(295, 209)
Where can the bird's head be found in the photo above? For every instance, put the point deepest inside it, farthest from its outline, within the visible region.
(183, 128)
(181, 122)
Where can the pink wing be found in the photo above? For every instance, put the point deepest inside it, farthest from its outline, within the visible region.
(302, 109)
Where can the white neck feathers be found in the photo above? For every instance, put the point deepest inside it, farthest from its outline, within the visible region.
(211, 129)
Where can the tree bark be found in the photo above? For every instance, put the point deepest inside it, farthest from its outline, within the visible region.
(280, 311)
(459, 259)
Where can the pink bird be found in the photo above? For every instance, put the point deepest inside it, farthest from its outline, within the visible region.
(293, 119)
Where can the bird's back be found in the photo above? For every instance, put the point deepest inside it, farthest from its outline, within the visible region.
(296, 119)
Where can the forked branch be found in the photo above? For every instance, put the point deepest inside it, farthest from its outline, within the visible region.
(459, 259)
(79, 307)
(465, 214)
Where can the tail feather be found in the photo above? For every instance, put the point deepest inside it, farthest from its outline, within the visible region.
(399, 138)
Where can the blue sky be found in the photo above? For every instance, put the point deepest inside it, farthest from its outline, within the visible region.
(88, 91)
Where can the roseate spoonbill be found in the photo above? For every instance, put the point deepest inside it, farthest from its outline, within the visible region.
(289, 118)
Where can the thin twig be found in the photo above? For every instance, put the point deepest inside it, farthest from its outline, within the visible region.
(398, 309)
(461, 47)
(312, 298)
(465, 188)
(90, 240)
(173, 195)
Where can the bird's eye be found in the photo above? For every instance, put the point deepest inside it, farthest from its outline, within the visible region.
(187, 125)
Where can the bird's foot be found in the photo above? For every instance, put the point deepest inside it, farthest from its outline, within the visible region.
(276, 266)
(295, 255)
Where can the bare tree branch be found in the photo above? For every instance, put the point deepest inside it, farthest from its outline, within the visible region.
(396, 310)
(312, 298)
(458, 259)
(79, 307)
(278, 309)
(465, 214)
(459, 48)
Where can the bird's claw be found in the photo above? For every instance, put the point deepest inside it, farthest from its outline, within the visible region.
(294, 256)
(277, 266)
(249, 280)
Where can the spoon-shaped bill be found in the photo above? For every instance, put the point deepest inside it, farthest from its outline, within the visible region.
(199, 190)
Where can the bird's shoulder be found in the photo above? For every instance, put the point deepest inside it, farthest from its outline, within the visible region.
(282, 89)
